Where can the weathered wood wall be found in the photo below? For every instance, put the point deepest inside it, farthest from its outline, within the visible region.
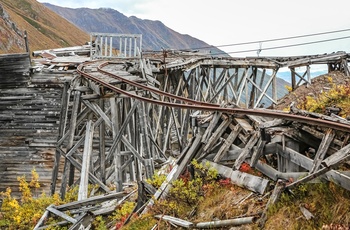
(29, 115)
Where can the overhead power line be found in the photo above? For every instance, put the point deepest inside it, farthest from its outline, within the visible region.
(284, 38)
(278, 39)
(284, 46)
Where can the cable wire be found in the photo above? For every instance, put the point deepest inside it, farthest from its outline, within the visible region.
(275, 39)
(285, 46)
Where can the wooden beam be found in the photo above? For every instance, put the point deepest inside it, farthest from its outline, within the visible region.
(90, 201)
(214, 137)
(253, 139)
(322, 149)
(226, 223)
(61, 214)
(305, 162)
(176, 221)
(279, 188)
(228, 142)
(331, 162)
(84, 174)
(248, 181)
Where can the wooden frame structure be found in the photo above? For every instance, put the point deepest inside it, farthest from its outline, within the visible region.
(126, 45)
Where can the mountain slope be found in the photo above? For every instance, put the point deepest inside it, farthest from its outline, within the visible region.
(45, 28)
(155, 35)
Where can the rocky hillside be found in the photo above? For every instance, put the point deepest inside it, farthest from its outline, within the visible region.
(155, 34)
(45, 28)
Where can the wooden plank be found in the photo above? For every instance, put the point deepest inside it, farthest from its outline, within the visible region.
(273, 174)
(251, 182)
(338, 157)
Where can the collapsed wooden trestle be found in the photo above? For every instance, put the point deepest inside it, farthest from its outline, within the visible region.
(109, 139)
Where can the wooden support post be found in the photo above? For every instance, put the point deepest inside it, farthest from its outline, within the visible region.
(64, 108)
(262, 79)
(176, 124)
(117, 155)
(246, 99)
(308, 83)
(92, 178)
(293, 80)
(188, 156)
(68, 169)
(345, 67)
(274, 87)
(102, 146)
(253, 88)
(284, 163)
(185, 127)
(84, 174)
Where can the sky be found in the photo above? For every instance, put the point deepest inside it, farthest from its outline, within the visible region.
(226, 22)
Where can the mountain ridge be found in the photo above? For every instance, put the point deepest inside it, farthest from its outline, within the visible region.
(45, 29)
(155, 35)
